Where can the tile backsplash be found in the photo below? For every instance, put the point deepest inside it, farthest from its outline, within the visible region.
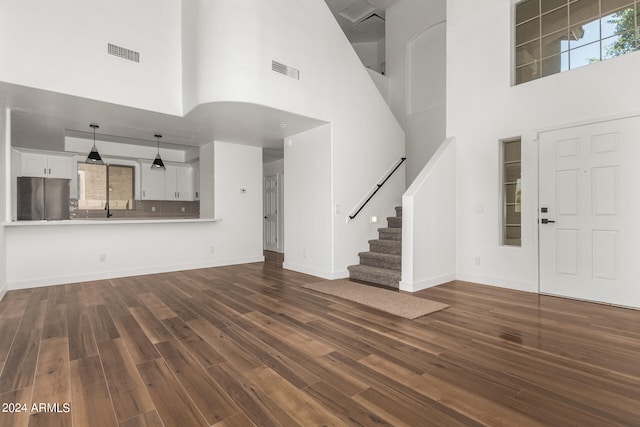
(144, 209)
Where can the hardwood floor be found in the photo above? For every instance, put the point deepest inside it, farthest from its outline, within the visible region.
(246, 345)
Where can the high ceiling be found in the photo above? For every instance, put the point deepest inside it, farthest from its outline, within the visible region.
(361, 20)
(49, 116)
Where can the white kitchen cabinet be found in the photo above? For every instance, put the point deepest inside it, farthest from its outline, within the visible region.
(45, 165)
(175, 182)
(178, 182)
(196, 180)
(151, 182)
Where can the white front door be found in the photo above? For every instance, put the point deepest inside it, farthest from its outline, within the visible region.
(590, 212)
(271, 213)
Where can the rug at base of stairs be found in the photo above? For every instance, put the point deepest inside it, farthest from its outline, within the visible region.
(392, 302)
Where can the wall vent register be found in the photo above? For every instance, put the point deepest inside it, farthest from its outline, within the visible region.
(122, 52)
(286, 70)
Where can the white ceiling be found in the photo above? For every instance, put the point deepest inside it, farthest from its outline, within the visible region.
(49, 116)
(355, 18)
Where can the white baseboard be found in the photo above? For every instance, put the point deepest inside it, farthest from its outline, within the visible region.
(76, 278)
(323, 274)
(427, 283)
(499, 282)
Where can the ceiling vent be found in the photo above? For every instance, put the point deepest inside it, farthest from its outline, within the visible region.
(122, 52)
(357, 10)
(285, 69)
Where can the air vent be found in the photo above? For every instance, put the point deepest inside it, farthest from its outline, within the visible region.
(285, 69)
(122, 52)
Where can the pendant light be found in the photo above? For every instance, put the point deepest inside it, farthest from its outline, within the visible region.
(157, 162)
(94, 156)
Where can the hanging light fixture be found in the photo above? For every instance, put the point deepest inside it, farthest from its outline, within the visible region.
(94, 156)
(157, 162)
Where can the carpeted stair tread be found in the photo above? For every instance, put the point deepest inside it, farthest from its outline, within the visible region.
(381, 260)
(394, 221)
(386, 246)
(378, 276)
(390, 233)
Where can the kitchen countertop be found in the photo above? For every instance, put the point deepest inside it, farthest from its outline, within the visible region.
(106, 221)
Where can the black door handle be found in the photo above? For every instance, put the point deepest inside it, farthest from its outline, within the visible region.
(546, 221)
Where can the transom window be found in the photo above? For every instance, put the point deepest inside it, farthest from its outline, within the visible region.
(552, 36)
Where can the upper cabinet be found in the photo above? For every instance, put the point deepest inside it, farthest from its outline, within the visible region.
(178, 182)
(45, 165)
(173, 183)
(151, 182)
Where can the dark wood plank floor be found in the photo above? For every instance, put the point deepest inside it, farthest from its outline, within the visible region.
(246, 345)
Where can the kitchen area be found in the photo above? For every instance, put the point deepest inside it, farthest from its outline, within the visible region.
(126, 182)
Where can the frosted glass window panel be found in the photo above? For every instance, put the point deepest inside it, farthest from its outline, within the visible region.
(583, 10)
(512, 235)
(555, 43)
(528, 31)
(511, 172)
(527, 10)
(555, 21)
(528, 53)
(584, 34)
(512, 151)
(584, 55)
(511, 189)
(548, 5)
(512, 215)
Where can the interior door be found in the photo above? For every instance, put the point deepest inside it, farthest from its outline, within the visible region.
(589, 206)
(271, 213)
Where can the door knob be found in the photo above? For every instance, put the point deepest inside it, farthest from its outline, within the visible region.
(546, 221)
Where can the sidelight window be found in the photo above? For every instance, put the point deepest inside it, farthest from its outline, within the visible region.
(511, 192)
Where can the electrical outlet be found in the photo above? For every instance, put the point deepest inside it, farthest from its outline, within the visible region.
(476, 260)
(102, 257)
(304, 253)
(212, 249)
(183, 209)
(153, 208)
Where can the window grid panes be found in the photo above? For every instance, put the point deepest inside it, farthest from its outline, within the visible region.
(552, 36)
(511, 192)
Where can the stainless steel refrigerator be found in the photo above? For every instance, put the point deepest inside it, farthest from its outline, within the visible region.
(43, 199)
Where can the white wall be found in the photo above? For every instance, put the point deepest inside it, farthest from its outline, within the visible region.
(415, 65)
(428, 227)
(69, 252)
(483, 107)
(371, 54)
(334, 87)
(307, 201)
(64, 49)
(238, 195)
(5, 156)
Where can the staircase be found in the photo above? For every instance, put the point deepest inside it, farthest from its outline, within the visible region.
(381, 266)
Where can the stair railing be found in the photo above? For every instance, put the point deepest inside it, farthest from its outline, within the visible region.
(378, 187)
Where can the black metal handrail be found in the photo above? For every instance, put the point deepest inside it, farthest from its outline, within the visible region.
(378, 187)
